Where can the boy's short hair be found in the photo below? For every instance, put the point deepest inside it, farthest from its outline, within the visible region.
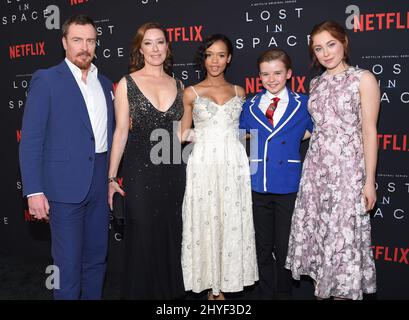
(275, 54)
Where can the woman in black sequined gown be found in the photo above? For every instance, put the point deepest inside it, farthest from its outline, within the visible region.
(148, 106)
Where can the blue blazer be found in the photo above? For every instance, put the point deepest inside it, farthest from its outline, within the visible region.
(57, 147)
(275, 160)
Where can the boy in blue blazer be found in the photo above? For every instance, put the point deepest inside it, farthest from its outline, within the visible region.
(278, 121)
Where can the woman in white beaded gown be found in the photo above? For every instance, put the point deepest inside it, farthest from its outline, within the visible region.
(218, 247)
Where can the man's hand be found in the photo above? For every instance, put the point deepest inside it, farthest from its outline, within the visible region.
(39, 207)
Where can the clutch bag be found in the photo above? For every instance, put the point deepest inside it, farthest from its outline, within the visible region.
(118, 211)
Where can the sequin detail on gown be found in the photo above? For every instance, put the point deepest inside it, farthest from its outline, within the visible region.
(154, 195)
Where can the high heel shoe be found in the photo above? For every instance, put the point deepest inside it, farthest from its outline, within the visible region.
(210, 295)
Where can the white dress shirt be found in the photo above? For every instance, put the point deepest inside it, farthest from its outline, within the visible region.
(265, 101)
(94, 98)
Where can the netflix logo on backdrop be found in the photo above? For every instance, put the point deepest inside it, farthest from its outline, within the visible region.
(114, 86)
(391, 254)
(185, 34)
(29, 218)
(27, 50)
(76, 2)
(296, 84)
(121, 181)
(393, 142)
(381, 21)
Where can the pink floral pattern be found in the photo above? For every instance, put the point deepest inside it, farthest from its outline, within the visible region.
(330, 237)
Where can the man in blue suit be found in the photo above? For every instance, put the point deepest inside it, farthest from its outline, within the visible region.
(278, 121)
(66, 136)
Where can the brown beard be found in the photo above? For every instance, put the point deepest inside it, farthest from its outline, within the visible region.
(83, 65)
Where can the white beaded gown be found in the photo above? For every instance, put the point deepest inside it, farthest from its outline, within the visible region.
(218, 247)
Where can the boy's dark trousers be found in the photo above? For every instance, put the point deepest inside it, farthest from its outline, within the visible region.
(272, 223)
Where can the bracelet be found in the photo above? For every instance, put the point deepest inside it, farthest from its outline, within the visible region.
(113, 179)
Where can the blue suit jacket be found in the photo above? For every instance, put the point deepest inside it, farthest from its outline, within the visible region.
(57, 147)
(275, 160)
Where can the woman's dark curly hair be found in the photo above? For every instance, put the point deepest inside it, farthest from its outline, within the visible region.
(207, 42)
(137, 61)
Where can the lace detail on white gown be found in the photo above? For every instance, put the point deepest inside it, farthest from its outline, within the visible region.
(218, 247)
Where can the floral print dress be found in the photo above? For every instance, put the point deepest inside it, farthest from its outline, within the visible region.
(330, 237)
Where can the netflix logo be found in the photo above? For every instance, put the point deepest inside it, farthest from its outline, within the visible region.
(18, 134)
(385, 253)
(296, 83)
(29, 218)
(76, 2)
(393, 142)
(185, 34)
(26, 50)
(381, 21)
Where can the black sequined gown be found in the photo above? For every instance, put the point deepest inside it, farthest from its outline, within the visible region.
(154, 196)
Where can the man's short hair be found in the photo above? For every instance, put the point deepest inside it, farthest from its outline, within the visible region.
(80, 19)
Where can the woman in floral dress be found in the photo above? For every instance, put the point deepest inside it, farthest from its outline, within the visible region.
(330, 237)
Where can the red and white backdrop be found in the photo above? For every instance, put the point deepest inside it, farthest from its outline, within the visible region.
(31, 39)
